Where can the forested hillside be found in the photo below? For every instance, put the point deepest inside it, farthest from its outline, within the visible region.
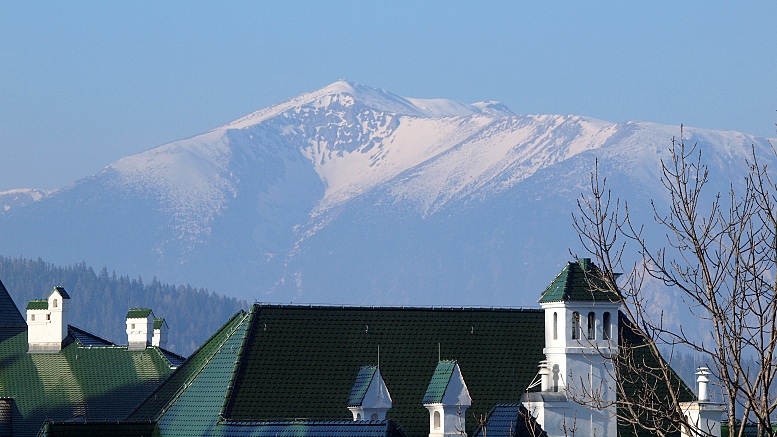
(100, 300)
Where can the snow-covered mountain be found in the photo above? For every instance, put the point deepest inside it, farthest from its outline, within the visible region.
(351, 194)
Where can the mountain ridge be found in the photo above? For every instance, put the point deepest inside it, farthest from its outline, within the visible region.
(350, 194)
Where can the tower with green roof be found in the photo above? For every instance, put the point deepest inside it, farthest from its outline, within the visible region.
(581, 337)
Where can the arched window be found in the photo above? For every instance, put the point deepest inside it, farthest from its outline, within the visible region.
(374, 416)
(436, 420)
(591, 326)
(358, 416)
(575, 326)
(606, 325)
(55, 303)
(555, 326)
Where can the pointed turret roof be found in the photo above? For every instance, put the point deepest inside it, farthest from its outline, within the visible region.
(580, 280)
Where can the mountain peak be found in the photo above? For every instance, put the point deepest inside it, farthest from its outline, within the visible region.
(377, 99)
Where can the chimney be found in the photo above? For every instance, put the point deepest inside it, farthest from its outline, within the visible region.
(140, 328)
(160, 333)
(703, 381)
(47, 322)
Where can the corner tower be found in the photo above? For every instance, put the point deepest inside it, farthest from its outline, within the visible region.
(581, 337)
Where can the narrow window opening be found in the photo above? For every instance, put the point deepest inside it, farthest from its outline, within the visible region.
(358, 416)
(591, 326)
(374, 416)
(32, 317)
(48, 316)
(555, 326)
(436, 420)
(606, 325)
(575, 326)
(55, 303)
(132, 326)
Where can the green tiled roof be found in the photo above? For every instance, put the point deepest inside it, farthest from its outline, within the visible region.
(439, 382)
(38, 304)
(155, 404)
(363, 380)
(158, 323)
(10, 317)
(282, 362)
(138, 313)
(579, 281)
(315, 351)
(103, 382)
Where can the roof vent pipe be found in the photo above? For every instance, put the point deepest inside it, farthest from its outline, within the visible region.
(703, 382)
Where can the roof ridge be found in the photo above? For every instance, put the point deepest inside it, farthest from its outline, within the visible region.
(239, 315)
(235, 370)
(182, 389)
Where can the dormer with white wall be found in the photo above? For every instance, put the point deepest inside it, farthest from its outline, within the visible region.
(140, 328)
(47, 321)
(447, 399)
(160, 333)
(581, 338)
(369, 398)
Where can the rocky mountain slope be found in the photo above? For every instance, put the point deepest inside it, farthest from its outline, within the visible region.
(350, 194)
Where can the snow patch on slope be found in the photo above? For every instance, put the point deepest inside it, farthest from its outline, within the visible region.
(190, 176)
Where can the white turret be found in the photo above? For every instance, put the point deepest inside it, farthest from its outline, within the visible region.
(369, 398)
(47, 322)
(447, 399)
(581, 337)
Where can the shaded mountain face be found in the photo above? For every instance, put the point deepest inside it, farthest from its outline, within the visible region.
(350, 194)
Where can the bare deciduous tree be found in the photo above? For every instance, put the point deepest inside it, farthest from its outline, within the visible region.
(719, 252)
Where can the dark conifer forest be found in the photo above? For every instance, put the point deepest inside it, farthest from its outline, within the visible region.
(100, 300)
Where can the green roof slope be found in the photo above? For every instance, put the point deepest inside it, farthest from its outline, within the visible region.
(362, 384)
(439, 382)
(155, 404)
(303, 361)
(93, 382)
(580, 280)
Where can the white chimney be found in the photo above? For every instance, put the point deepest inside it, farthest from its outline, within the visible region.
(160, 333)
(703, 382)
(140, 328)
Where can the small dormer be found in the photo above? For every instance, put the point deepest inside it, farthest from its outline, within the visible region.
(447, 399)
(47, 321)
(140, 328)
(160, 333)
(369, 398)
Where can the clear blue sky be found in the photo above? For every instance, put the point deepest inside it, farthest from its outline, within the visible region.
(85, 83)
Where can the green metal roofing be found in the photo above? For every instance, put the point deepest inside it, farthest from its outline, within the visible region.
(103, 382)
(363, 380)
(168, 392)
(10, 317)
(579, 281)
(315, 352)
(283, 362)
(158, 323)
(138, 313)
(38, 304)
(439, 382)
